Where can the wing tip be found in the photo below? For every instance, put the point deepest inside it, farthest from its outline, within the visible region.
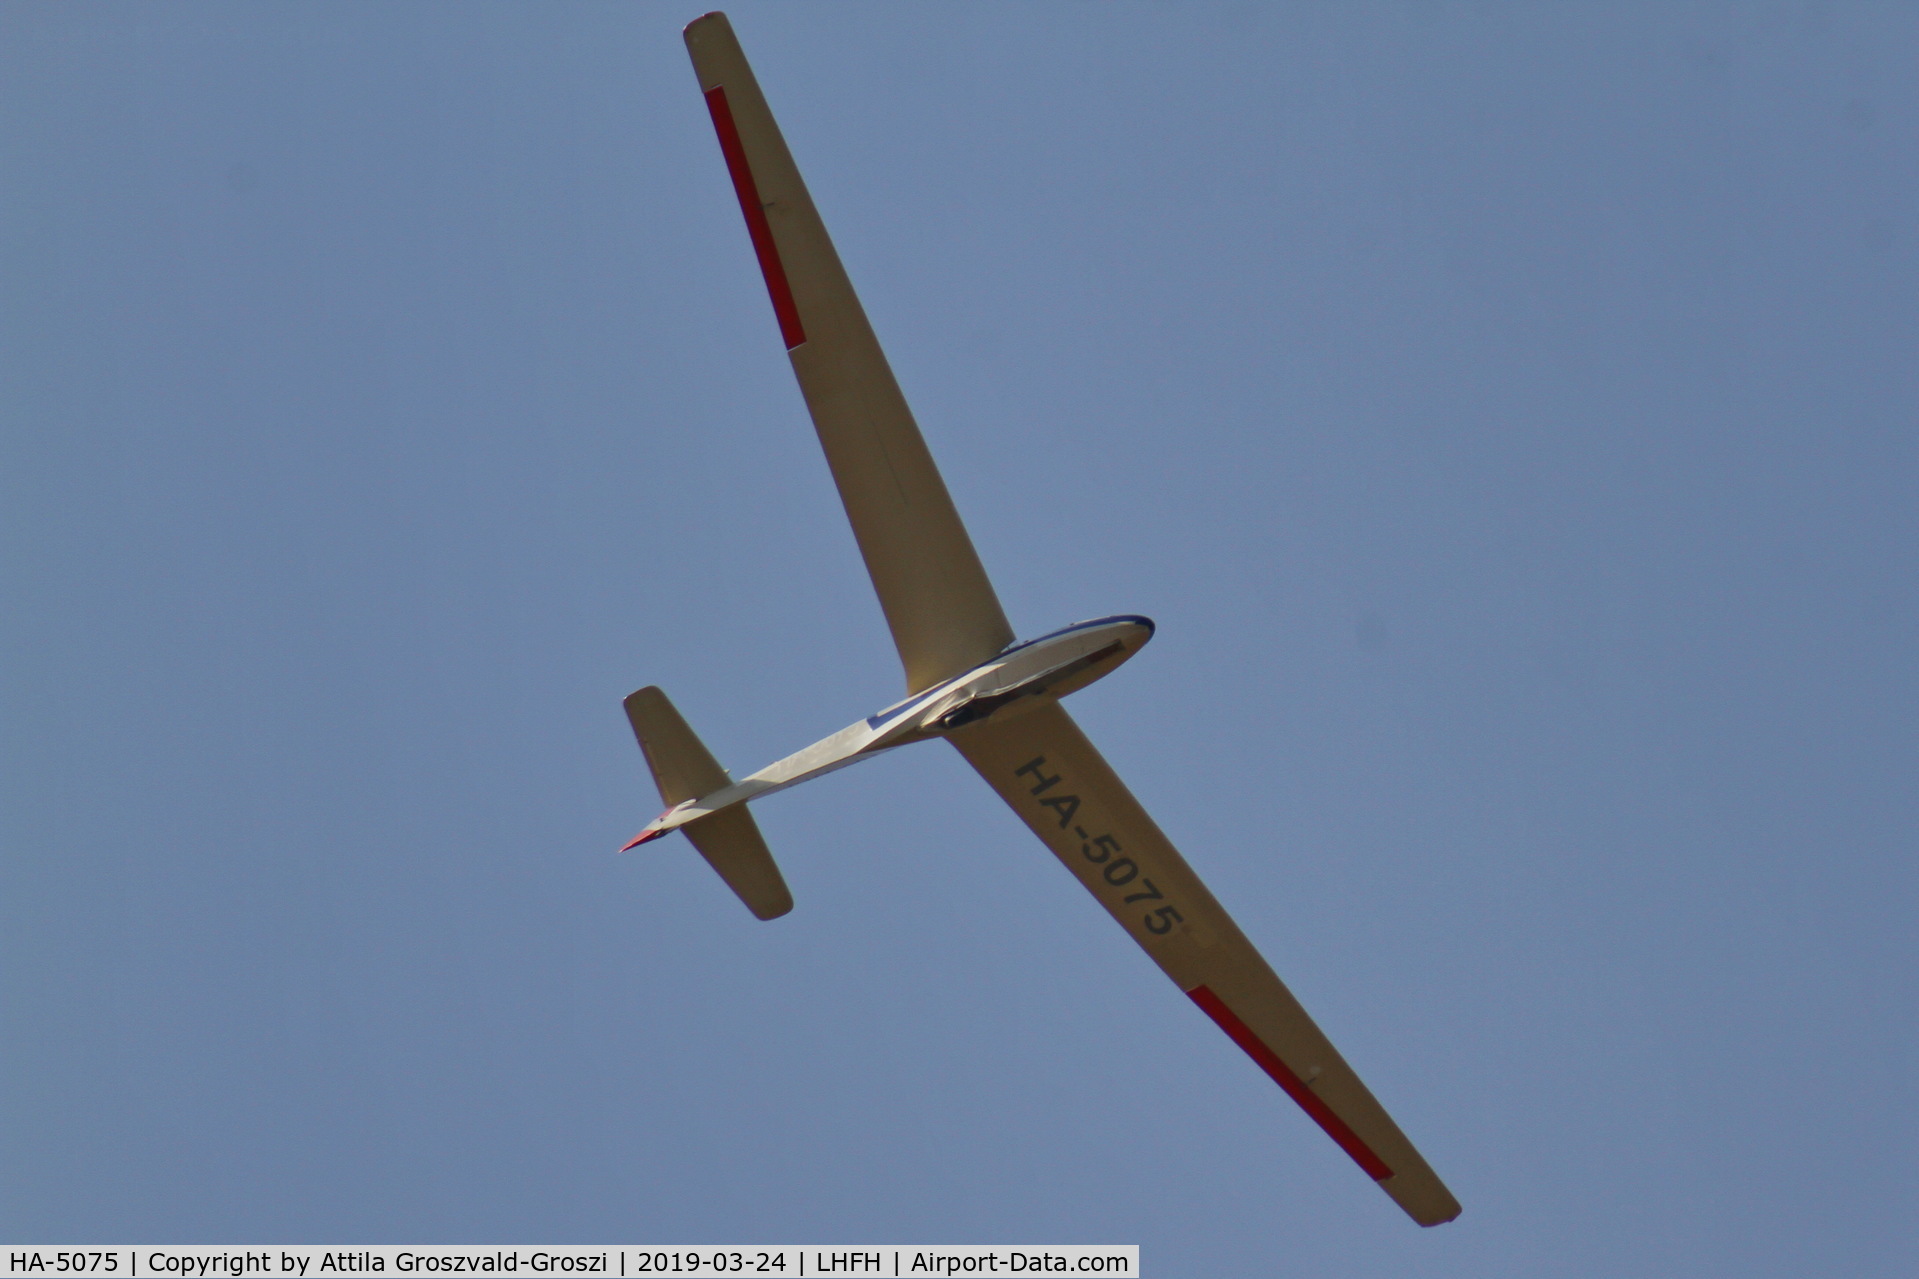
(771, 910)
(1429, 1204)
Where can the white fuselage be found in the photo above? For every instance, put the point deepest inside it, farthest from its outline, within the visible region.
(1022, 676)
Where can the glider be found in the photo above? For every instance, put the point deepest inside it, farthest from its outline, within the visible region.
(967, 680)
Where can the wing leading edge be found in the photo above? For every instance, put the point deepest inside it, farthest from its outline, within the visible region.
(1046, 770)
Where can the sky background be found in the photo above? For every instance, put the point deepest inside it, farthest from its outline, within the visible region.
(1506, 412)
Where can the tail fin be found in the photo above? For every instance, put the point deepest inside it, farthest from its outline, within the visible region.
(730, 840)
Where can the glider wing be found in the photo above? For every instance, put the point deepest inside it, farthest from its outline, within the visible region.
(1043, 766)
(942, 610)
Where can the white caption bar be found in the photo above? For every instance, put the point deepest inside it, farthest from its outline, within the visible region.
(628, 1261)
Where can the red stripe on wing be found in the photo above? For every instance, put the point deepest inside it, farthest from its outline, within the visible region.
(757, 226)
(1242, 1034)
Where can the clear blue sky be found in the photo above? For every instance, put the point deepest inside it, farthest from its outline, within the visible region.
(1507, 413)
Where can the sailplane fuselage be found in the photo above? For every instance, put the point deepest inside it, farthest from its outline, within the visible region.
(1018, 678)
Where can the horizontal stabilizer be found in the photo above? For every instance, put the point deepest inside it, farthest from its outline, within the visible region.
(732, 845)
(684, 769)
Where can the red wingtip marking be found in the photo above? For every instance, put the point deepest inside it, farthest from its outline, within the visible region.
(757, 226)
(1242, 1034)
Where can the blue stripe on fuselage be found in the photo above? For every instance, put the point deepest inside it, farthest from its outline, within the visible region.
(900, 708)
(1147, 622)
